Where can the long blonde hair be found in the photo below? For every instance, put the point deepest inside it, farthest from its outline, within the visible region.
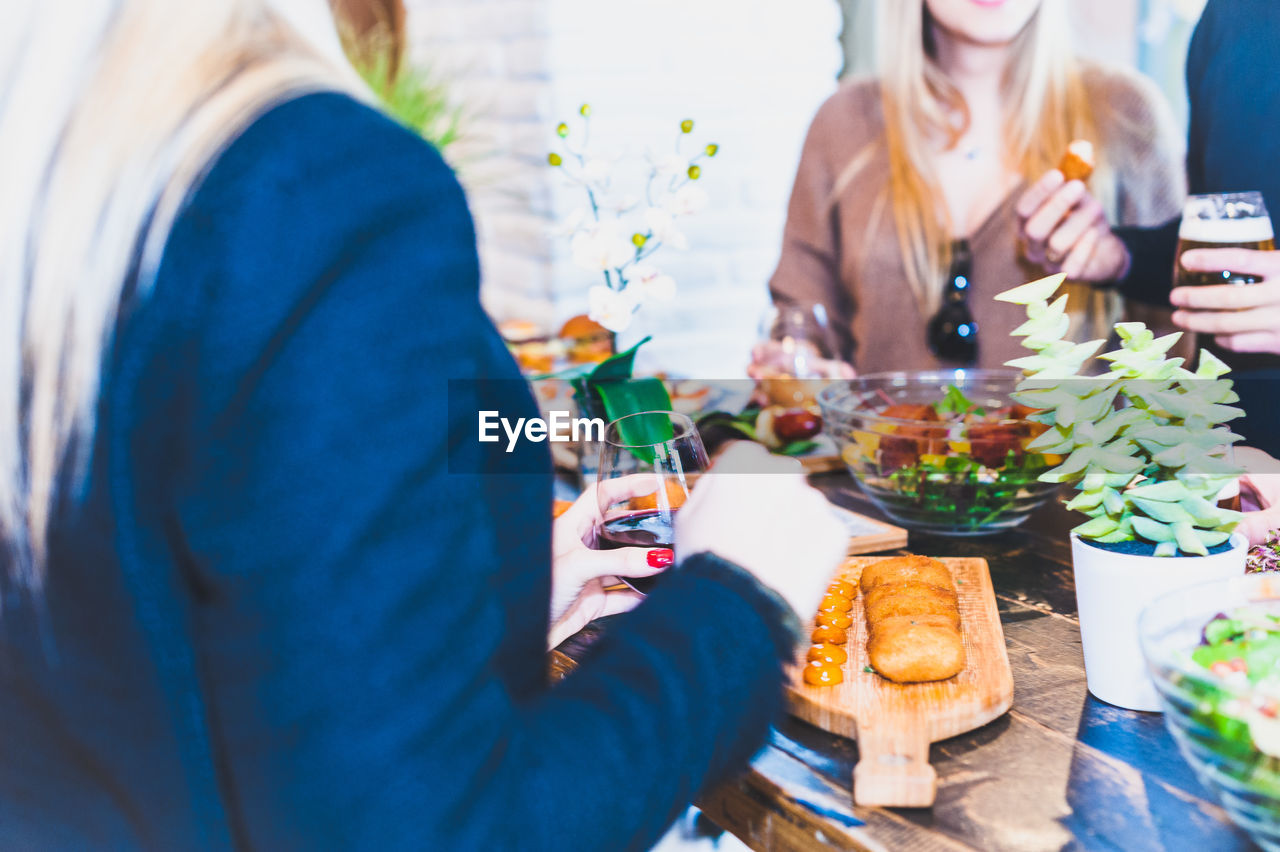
(1047, 107)
(110, 112)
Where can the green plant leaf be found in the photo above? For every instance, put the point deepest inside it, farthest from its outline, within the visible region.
(1167, 513)
(1167, 492)
(633, 396)
(1188, 541)
(1152, 530)
(1099, 526)
(1166, 549)
(1036, 291)
(1085, 501)
(617, 366)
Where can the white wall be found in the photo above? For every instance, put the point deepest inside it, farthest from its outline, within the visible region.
(751, 72)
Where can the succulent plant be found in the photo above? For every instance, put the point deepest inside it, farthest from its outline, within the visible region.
(1143, 442)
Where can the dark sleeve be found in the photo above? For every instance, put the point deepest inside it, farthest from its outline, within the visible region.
(350, 631)
(1152, 251)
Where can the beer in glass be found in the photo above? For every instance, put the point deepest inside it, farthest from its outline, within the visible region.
(1224, 220)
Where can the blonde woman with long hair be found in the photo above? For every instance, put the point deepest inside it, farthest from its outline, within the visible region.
(260, 584)
(924, 191)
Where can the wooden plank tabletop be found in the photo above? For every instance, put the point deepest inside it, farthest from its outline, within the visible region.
(1061, 771)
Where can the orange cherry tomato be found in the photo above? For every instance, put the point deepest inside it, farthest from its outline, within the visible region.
(831, 635)
(827, 653)
(841, 587)
(822, 674)
(832, 602)
(835, 618)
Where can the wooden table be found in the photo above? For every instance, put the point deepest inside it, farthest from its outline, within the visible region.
(1062, 770)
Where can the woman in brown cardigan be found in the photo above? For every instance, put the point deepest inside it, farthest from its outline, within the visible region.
(977, 101)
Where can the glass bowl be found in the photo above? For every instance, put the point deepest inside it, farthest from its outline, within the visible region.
(1217, 718)
(957, 475)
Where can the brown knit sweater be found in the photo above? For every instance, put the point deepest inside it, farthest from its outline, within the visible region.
(840, 246)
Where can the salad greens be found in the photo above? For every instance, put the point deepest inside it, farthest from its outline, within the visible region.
(1241, 704)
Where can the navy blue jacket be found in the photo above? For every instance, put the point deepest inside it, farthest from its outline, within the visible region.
(275, 619)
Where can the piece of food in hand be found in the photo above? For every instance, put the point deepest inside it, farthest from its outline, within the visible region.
(916, 649)
(835, 618)
(587, 341)
(842, 587)
(823, 635)
(835, 603)
(827, 653)
(559, 507)
(1079, 160)
(822, 674)
(900, 568)
(913, 619)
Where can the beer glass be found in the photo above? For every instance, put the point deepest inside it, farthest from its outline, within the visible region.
(1224, 220)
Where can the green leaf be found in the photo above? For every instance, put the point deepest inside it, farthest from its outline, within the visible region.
(633, 396)
(1152, 530)
(1188, 541)
(1167, 492)
(617, 366)
(1166, 549)
(1099, 526)
(1168, 513)
(1036, 291)
(1113, 502)
(954, 402)
(1085, 501)
(798, 448)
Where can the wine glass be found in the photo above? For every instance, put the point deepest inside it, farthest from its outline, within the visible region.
(797, 345)
(663, 444)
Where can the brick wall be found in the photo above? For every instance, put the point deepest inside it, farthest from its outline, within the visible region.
(751, 72)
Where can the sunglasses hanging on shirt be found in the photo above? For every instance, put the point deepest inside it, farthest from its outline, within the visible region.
(953, 332)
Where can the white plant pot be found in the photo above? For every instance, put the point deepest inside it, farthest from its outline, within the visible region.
(1111, 590)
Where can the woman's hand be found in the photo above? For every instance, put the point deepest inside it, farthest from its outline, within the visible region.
(1259, 493)
(1064, 229)
(581, 578)
(1241, 318)
(756, 510)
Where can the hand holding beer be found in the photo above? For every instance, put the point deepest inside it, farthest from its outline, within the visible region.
(1227, 241)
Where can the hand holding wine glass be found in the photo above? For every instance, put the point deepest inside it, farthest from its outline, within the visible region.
(796, 347)
(665, 449)
(584, 581)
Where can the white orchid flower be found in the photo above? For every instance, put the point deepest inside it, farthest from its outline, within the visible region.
(597, 171)
(601, 246)
(652, 285)
(570, 225)
(621, 204)
(687, 201)
(613, 309)
(662, 227)
(668, 165)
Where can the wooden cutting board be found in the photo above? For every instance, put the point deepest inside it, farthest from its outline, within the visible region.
(895, 723)
(868, 535)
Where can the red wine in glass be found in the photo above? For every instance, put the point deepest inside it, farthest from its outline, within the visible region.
(664, 448)
(648, 528)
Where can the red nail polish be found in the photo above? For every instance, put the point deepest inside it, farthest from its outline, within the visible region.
(663, 557)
